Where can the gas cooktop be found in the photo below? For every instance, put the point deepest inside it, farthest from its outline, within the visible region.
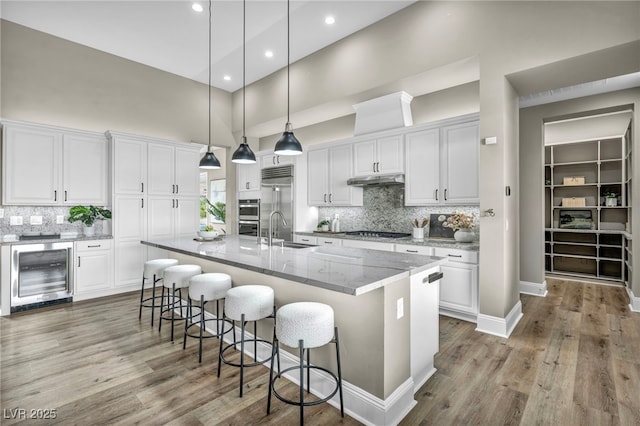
(380, 234)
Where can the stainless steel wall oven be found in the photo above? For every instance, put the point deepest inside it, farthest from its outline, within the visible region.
(249, 217)
(41, 274)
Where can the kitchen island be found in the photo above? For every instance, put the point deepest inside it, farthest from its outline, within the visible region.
(385, 307)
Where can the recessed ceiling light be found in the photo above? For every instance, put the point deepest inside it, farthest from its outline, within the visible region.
(268, 54)
(197, 7)
(227, 78)
(329, 20)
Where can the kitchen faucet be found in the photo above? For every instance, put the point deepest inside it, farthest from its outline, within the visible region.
(284, 223)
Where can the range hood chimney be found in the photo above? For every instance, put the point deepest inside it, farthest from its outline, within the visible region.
(386, 112)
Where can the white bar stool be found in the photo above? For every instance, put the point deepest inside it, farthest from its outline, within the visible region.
(153, 271)
(247, 303)
(206, 288)
(175, 279)
(305, 325)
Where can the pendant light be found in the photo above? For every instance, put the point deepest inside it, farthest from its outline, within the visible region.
(288, 144)
(243, 154)
(209, 161)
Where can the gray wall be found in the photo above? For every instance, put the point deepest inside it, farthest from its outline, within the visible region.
(532, 173)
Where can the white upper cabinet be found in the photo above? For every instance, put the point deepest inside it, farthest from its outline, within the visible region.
(422, 180)
(172, 170)
(274, 160)
(129, 165)
(248, 176)
(53, 166)
(461, 154)
(382, 155)
(328, 171)
(443, 165)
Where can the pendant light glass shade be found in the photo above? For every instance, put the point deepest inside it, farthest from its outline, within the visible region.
(243, 154)
(209, 161)
(288, 144)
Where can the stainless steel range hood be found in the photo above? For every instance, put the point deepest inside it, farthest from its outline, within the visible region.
(381, 180)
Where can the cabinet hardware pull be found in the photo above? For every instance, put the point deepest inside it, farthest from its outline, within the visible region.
(445, 194)
(436, 195)
(173, 203)
(374, 167)
(141, 186)
(330, 198)
(92, 247)
(78, 261)
(454, 255)
(173, 189)
(65, 195)
(378, 167)
(177, 188)
(278, 159)
(412, 251)
(176, 203)
(304, 239)
(433, 277)
(328, 242)
(325, 198)
(246, 185)
(55, 195)
(142, 199)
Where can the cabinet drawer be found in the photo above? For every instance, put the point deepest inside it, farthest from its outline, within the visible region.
(374, 245)
(304, 239)
(456, 255)
(93, 245)
(408, 248)
(329, 241)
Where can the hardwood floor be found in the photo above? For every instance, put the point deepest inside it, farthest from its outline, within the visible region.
(574, 359)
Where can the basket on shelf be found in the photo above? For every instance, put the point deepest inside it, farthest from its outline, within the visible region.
(573, 180)
(574, 202)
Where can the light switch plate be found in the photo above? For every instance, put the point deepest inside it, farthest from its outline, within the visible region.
(1, 213)
(35, 220)
(400, 308)
(15, 220)
(491, 140)
(59, 219)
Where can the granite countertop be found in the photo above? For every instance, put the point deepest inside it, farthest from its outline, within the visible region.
(427, 242)
(347, 270)
(12, 241)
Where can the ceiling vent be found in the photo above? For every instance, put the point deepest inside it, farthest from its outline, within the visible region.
(383, 113)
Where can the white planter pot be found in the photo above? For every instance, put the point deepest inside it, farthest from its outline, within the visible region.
(464, 235)
(89, 231)
(611, 201)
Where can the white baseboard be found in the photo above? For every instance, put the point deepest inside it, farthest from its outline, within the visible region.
(634, 302)
(77, 297)
(464, 316)
(358, 403)
(502, 327)
(534, 289)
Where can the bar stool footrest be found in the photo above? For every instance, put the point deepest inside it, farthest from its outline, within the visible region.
(253, 364)
(216, 320)
(306, 403)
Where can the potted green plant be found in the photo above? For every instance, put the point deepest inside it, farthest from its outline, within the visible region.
(610, 199)
(88, 216)
(324, 225)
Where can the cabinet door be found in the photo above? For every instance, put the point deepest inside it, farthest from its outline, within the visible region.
(340, 170)
(461, 144)
(161, 172)
(160, 217)
(459, 287)
(422, 180)
(318, 168)
(129, 166)
(323, 241)
(187, 173)
(129, 263)
(364, 158)
(93, 270)
(187, 217)
(85, 163)
(390, 155)
(373, 245)
(273, 160)
(31, 164)
(129, 221)
(248, 177)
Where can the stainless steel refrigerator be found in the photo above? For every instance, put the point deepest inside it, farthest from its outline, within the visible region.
(277, 194)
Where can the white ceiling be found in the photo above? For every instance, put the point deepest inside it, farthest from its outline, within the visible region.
(602, 126)
(169, 35)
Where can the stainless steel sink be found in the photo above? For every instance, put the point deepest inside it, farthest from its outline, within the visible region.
(293, 245)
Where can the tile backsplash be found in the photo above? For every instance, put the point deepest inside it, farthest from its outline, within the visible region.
(384, 210)
(49, 226)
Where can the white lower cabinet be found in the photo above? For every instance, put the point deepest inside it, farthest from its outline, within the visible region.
(409, 248)
(93, 268)
(459, 286)
(303, 239)
(375, 245)
(424, 324)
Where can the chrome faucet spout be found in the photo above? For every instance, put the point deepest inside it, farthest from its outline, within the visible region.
(284, 223)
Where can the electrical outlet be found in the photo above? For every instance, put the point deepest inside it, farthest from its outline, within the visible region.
(1, 213)
(60, 219)
(400, 308)
(35, 220)
(15, 220)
